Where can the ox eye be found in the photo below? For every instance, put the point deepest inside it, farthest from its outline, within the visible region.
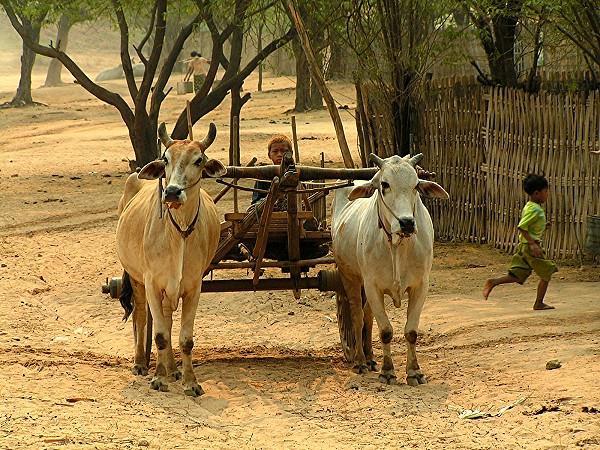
(385, 185)
(164, 158)
(199, 161)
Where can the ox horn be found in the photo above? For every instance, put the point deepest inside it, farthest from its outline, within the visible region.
(416, 159)
(164, 136)
(210, 137)
(376, 160)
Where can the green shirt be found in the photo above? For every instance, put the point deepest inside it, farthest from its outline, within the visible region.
(533, 220)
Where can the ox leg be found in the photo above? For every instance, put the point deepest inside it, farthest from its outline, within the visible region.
(386, 333)
(140, 366)
(353, 292)
(186, 343)
(416, 299)
(172, 370)
(367, 336)
(162, 337)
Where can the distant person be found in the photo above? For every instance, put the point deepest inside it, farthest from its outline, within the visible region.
(197, 66)
(530, 256)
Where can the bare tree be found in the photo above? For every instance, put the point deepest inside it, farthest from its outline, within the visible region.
(31, 19)
(53, 76)
(210, 96)
(395, 43)
(147, 96)
(496, 22)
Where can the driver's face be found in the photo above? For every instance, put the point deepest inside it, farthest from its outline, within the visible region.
(277, 151)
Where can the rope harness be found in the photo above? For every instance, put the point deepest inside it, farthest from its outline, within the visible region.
(192, 226)
(396, 263)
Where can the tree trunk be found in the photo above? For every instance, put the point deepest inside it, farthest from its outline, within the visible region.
(337, 62)
(23, 95)
(53, 77)
(504, 58)
(316, 99)
(498, 41)
(401, 110)
(303, 92)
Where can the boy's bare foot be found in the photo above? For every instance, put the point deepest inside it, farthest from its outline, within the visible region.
(487, 288)
(541, 306)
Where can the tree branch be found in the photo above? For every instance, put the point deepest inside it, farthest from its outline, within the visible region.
(125, 56)
(159, 37)
(96, 90)
(578, 43)
(201, 105)
(158, 96)
(140, 46)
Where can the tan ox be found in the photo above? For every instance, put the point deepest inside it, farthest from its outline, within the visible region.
(165, 257)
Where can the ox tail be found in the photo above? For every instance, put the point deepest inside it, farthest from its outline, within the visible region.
(126, 296)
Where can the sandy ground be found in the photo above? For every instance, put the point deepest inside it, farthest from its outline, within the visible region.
(270, 365)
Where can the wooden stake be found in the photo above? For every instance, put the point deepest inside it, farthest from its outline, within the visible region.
(189, 121)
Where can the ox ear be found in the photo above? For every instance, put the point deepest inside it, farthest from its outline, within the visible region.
(153, 170)
(431, 189)
(214, 168)
(362, 191)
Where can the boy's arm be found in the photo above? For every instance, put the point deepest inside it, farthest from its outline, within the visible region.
(535, 248)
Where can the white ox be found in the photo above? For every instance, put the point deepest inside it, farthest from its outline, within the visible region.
(165, 257)
(384, 244)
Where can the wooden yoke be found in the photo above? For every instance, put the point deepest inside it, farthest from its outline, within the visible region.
(309, 173)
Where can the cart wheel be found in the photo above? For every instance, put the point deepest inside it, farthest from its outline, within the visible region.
(344, 318)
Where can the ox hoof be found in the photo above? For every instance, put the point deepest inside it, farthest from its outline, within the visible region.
(176, 374)
(372, 365)
(360, 368)
(139, 369)
(387, 378)
(193, 390)
(159, 385)
(416, 379)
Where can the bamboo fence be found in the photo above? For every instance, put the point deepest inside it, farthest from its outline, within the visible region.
(483, 141)
(452, 116)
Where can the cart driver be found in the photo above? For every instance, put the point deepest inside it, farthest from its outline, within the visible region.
(277, 147)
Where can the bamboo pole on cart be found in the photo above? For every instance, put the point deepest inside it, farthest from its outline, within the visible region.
(295, 140)
(189, 121)
(317, 76)
(235, 157)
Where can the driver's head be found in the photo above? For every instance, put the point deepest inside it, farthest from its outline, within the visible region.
(278, 146)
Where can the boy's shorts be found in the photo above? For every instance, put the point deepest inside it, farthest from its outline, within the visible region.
(523, 263)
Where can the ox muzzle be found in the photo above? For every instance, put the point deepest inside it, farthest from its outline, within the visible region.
(174, 196)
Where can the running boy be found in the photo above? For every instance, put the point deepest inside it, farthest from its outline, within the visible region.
(530, 256)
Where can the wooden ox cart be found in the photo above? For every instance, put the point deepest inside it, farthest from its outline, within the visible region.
(252, 233)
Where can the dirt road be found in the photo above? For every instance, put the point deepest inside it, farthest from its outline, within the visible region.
(271, 366)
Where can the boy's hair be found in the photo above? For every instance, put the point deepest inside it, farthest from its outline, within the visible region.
(278, 139)
(195, 53)
(533, 182)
